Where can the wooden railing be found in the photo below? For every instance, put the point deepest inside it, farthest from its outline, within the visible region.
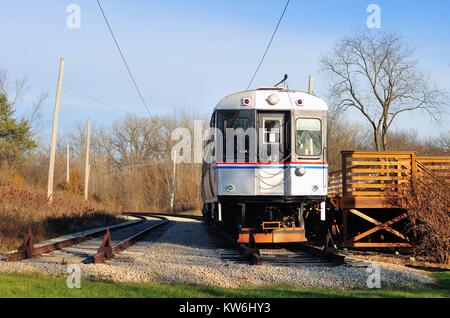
(371, 174)
(439, 167)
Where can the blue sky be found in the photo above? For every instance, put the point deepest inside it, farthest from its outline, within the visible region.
(189, 54)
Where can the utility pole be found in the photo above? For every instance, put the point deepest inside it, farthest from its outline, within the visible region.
(174, 184)
(51, 170)
(311, 85)
(68, 164)
(87, 166)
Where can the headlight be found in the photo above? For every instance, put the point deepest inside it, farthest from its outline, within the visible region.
(273, 99)
(300, 171)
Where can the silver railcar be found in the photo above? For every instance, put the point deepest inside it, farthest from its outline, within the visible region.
(266, 169)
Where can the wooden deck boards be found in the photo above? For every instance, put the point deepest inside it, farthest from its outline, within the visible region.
(363, 187)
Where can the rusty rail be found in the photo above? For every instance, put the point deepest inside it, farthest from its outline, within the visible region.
(108, 251)
(182, 216)
(332, 256)
(251, 252)
(29, 250)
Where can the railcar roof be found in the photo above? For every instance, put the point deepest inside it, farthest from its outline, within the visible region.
(259, 99)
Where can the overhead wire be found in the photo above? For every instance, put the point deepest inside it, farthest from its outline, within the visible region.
(124, 60)
(269, 44)
(96, 100)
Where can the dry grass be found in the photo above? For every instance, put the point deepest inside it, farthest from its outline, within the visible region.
(22, 207)
(148, 188)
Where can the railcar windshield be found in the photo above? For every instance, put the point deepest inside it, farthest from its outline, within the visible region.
(238, 121)
(309, 137)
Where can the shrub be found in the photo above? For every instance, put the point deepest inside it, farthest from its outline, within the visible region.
(427, 202)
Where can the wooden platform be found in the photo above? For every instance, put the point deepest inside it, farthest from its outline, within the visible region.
(364, 189)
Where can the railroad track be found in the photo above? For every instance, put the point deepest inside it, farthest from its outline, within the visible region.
(282, 255)
(279, 256)
(131, 236)
(98, 245)
(230, 251)
(293, 256)
(94, 246)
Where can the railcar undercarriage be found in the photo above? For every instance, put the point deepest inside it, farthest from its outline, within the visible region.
(268, 222)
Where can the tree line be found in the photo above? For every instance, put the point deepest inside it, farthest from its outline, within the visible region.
(131, 167)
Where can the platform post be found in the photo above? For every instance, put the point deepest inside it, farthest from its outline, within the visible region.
(413, 166)
(344, 174)
(345, 227)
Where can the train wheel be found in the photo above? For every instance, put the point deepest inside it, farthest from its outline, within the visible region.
(230, 213)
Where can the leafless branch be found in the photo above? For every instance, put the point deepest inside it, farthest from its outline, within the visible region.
(376, 74)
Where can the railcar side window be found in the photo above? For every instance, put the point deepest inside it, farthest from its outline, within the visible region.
(309, 137)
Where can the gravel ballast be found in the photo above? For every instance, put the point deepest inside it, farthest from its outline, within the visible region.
(185, 254)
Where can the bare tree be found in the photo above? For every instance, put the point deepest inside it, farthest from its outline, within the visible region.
(34, 117)
(343, 135)
(376, 74)
(443, 141)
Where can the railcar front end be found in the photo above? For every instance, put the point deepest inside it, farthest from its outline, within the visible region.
(267, 172)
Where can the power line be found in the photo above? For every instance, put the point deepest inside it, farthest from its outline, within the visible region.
(123, 59)
(268, 46)
(96, 100)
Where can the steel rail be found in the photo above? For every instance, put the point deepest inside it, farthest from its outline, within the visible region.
(332, 256)
(101, 256)
(25, 252)
(251, 253)
(193, 217)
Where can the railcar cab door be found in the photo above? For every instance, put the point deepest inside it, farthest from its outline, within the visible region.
(310, 176)
(273, 152)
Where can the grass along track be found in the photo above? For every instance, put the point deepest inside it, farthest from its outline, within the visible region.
(38, 286)
(26, 206)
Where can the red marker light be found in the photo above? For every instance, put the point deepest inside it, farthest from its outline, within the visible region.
(245, 101)
(299, 102)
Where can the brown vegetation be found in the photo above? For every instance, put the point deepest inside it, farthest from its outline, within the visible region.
(131, 170)
(131, 166)
(22, 207)
(427, 202)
